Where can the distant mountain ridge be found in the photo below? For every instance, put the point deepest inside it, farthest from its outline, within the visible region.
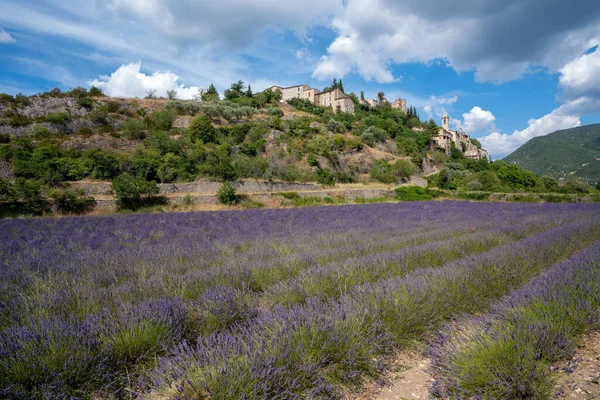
(562, 153)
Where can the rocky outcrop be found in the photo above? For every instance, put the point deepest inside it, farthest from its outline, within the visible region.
(42, 106)
(6, 171)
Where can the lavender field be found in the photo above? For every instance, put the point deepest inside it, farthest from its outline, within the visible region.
(295, 303)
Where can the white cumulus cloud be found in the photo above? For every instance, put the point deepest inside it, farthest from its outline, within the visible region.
(499, 41)
(581, 77)
(435, 105)
(129, 81)
(501, 144)
(6, 37)
(478, 121)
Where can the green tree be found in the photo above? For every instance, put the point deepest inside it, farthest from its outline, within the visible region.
(341, 86)
(249, 91)
(202, 129)
(102, 164)
(235, 90)
(362, 95)
(96, 92)
(134, 129)
(227, 194)
(550, 184)
(133, 192)
(211, 94)
(172, 94)
(380, 97)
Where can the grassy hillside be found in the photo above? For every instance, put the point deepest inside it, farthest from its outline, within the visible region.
(562, 153)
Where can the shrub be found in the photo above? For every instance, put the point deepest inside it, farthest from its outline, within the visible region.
(202, 129)
(162, 120)
(474, 185)
(335, 126)
(134, 129)
(40, 132)
(353, 144)
(319, 145)
(60, 117)
(4, 138)
(339, 142)
(112, 107)
(133, 192)
(96, 92)
(415, 193)
(403, 168)
(227, 194)
(374, 135)
(30, 194)
(382, 171)
(102, 164)
(575, 185)
(85, 102)
(161, 142)
(72, 202)
(275, 112)
(85, 131)
(473, 196)
(325, 177)
(16, 119)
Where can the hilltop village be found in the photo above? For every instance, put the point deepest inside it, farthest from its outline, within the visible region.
(334, 98)
(340, 102)
(447, 137)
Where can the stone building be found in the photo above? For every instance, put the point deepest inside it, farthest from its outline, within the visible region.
(446, 137)
(334, 98)
(399, 104)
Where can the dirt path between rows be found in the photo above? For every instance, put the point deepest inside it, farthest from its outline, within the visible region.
(408, 380)
(579, 377)
(576, 378)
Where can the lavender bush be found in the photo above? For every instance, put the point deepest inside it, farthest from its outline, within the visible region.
(506, 353)
(294, 303)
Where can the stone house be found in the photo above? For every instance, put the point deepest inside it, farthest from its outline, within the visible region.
(446, 137)
(334, 98)
(399, 104)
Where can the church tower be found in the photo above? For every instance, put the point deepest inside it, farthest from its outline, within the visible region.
(445, 124)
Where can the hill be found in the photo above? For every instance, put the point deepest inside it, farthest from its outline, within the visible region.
(562, 153)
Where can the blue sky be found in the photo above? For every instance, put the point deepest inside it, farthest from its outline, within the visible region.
(504, 71)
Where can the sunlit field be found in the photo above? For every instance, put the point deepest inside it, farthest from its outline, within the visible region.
(295, 303)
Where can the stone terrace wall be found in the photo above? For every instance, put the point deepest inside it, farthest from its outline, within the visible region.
(103, 188)
(242, 187)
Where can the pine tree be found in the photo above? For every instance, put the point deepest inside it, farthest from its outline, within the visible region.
(334, 85)
(212, 89)
(249, 91)
(362, 95)
(341, 86)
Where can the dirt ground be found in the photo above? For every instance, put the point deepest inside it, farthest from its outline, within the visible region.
(576, 378)
(579, 377)
(407, 380)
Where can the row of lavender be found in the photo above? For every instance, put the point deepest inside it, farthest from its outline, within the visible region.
(506, 354)
(88, 304)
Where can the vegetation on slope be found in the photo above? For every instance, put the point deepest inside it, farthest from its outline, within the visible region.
(57, 137)
(570, 152)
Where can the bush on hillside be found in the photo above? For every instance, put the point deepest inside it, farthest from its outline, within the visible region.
(202, 129)
(227, 194)
(72, 202)
(133, 192)
(134, 129)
